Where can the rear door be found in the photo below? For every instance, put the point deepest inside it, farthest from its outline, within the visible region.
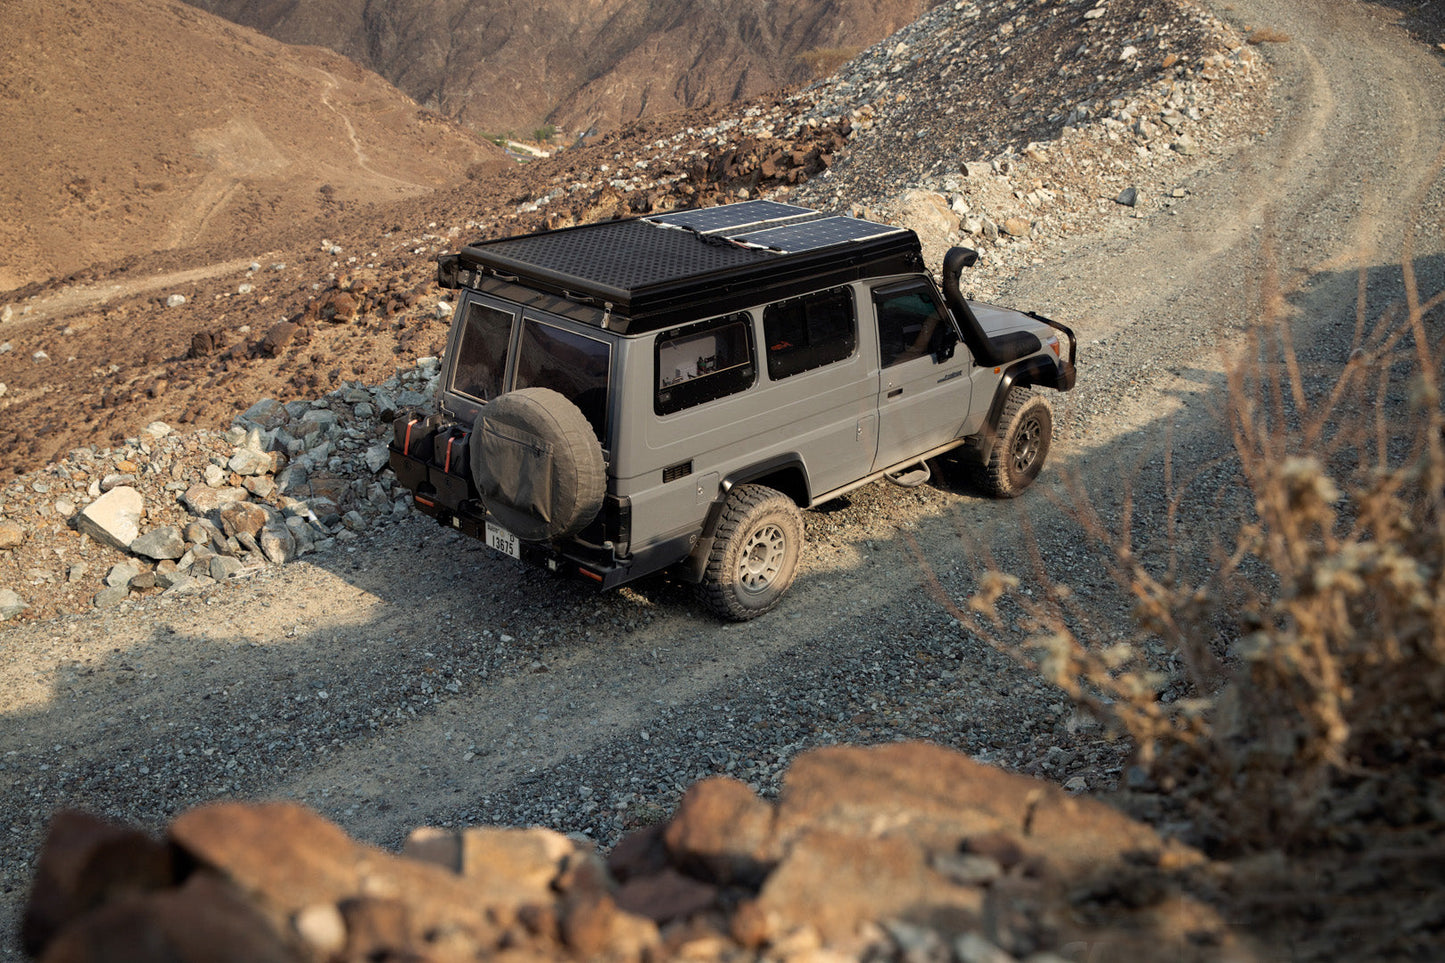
(925, 372)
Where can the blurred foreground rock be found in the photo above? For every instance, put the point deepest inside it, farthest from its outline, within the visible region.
(898, 852)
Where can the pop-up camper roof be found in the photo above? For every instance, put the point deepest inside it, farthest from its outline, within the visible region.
(666, 269)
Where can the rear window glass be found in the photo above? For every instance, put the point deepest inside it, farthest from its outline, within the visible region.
(573, 364)
(809, 332)
(705, 362)
(482, 352)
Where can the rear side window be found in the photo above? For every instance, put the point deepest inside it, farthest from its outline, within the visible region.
(704, 363)
(482, 352)
(567, 362)
(809, 332)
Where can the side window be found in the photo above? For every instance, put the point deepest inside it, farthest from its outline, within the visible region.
(809, 332)
(573, 364)
(703, 363)
(908, 321)
(482, 352)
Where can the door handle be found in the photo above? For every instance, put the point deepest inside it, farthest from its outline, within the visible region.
(895, 392)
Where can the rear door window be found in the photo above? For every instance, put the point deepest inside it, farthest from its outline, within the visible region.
(809, 332)
(482, 351)
(550, 356)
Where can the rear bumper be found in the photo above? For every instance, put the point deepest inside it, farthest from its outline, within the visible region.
(454, 502)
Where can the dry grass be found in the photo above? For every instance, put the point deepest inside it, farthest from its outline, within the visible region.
(1266, 35)
(1313, 650)
(822, 61)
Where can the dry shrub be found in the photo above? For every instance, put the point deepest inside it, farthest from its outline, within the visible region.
(1267, 35)
(1312, 689)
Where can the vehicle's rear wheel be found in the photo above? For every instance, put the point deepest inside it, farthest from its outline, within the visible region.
(1025, 430)
(755, 554)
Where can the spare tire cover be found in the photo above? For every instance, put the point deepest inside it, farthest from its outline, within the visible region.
(538, 464)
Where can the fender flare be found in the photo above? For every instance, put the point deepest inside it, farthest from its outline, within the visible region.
(1031, 371)
(692, 566)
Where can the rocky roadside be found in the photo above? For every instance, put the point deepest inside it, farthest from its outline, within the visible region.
(175, 513)
(906, 852)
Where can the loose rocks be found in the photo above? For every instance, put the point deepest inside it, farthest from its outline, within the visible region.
(852, 862)
(287, 480)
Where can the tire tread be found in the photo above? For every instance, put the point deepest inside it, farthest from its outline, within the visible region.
(995, 475)
(716, 590)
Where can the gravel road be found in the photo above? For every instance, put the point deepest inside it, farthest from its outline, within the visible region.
(415, 678)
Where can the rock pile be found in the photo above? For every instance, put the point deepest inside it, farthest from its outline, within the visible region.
(1132, 91)
(177, 513)
(897, 852)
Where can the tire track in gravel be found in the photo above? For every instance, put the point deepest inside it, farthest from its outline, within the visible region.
(1325, 193)
(584, 693)
(74, 300)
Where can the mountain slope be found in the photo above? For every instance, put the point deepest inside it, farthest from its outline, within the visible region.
(146, 124)
(505, 65)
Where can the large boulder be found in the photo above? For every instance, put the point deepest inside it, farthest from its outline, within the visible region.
(265, 414)
(11, 604)
(12, 534)
(113, 518)
(204, 500)
(932, 218)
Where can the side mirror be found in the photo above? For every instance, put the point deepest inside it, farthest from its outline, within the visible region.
(944, 340)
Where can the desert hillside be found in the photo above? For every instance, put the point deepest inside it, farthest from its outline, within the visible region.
(144, 125)
(507, 65)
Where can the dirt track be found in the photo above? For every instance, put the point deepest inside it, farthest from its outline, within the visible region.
(552, 687)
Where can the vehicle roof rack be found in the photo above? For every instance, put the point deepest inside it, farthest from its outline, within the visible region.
(648, 273)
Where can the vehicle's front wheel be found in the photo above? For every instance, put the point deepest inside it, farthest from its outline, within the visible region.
(1025, 430)
(755, 553)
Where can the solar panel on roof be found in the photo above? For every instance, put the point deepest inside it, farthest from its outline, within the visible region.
(655, 272)
(813, 235)
(733, 217)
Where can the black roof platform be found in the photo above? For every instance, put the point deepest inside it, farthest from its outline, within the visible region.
(663, 270)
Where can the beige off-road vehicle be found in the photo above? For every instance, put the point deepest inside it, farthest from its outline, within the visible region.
(671, 391)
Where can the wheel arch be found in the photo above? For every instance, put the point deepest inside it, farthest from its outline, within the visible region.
(1028, 373)
(784, 473)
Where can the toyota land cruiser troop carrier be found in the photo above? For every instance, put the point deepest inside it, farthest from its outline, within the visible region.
(671, 390)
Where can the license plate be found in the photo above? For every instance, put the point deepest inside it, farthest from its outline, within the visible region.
(503, 540)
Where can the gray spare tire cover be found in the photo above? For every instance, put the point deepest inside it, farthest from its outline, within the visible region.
(538, 464)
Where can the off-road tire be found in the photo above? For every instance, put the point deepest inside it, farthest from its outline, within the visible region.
(1024, 432)
(537, 464)
(754, 556)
